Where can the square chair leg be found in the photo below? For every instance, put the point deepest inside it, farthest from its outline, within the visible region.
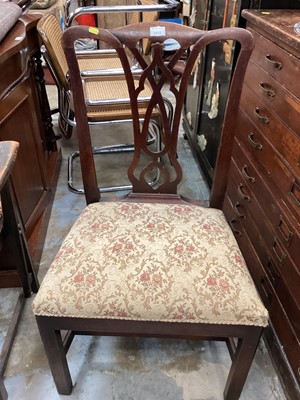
(56, 355)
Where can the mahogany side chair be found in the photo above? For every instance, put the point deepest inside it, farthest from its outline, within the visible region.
(154, 264)
(12, 235)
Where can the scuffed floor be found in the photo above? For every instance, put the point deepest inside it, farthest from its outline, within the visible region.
(114, 368)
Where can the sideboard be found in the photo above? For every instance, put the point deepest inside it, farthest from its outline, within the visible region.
(26, 118)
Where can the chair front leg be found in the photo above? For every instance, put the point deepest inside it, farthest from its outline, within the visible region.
(241, 363)
(56, 355)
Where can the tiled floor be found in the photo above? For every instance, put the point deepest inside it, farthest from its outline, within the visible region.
(113, 368)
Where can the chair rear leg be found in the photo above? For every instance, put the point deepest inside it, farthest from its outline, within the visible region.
(56, 355)
(241, 363)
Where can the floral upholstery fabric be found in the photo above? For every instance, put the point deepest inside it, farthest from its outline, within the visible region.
(154, 262)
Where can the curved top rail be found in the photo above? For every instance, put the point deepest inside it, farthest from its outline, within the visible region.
(147, 161)
(170, 5)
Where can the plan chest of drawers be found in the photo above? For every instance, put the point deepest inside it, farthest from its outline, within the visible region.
(262, 201)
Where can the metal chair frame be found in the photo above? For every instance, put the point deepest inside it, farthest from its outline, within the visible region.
(66, 115)
(169, 5)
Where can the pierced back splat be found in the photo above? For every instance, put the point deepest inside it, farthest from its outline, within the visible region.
(159, 74)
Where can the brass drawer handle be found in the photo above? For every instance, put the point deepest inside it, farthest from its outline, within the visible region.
(266, 88)
(234, 230)
(246, 175)
(295, 192)
(279, 253)
(267, 293)
(276, 64)
(256, 145)
(271, 270)
(243, 195)
(261, 118)
(238, 213)
(285, 230)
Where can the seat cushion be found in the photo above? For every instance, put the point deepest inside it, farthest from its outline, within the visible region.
(110, 92)
(100, 63)
(158, 262)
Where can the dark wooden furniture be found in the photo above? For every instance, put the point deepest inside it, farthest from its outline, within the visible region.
(202, 132)
(151, 265)
(263, 193)
(12, 231)
(25, 117)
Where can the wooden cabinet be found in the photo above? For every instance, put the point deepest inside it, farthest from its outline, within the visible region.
(25, 117)
(203, 130)
(262, 200)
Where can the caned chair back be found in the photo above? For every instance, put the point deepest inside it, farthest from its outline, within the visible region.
(51, 34)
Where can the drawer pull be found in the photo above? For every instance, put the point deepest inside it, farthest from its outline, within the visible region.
(234, 230)
(285, 230)
(256, 145)
(276, 64)
(272, 273)
(278, 251)
(261, 118)
(246, 175)
(238, 213)
(267, 293)
(243, 195)
(295, 192)
(266, 88)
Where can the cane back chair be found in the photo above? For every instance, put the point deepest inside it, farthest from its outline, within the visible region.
(155, 264)
(12, 236)
(105, 89)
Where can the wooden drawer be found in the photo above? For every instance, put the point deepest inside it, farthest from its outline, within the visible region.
(278, 63)
(287, 229)
(281, 273)
(276, 262)
(278, 316)
(274, 97)
(277, 173)
(286, 143)
(247, 249)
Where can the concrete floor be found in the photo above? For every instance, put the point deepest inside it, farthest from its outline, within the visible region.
(114, 368)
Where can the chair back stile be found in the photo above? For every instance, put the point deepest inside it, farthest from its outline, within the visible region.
(192, 42)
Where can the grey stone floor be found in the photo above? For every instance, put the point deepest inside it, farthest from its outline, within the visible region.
(114, 368)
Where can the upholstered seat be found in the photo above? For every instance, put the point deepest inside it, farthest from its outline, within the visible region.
(155, 262)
